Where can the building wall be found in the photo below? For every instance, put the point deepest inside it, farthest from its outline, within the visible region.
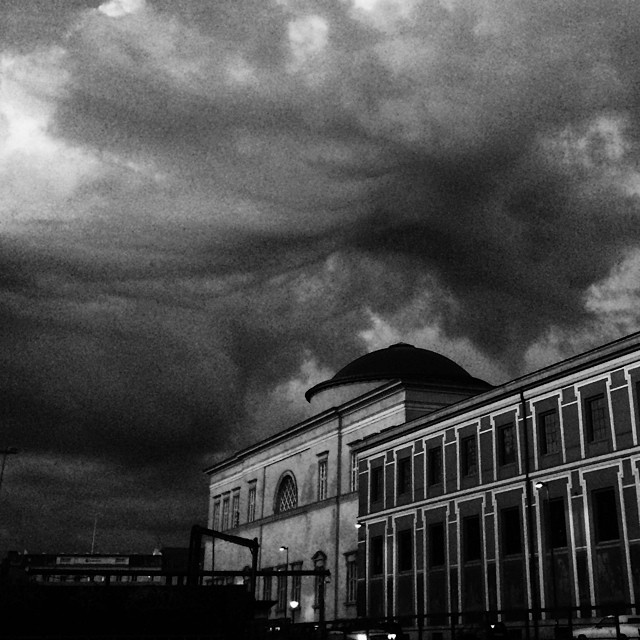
(316, 526)
(479, 534)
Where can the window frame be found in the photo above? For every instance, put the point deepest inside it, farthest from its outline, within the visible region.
(596, 432)
(469, 456)
(549, 445)
(506, 458)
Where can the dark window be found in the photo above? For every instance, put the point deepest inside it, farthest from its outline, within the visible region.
(506, 444)
(405, 550)
(605, 515)
(511, 535)
(377, 555)
(404, 475)
(436, 545)
(376, 484)
(287, 496)
(351, 578)
(282, 592)
(557, 523)
(548, 429)
(435, 466)
(266, 588)
(319, 562)
(296, 582)
(596, 417)
(469, 456)
(471, 539)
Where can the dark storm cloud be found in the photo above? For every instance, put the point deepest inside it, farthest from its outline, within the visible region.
(230, 191)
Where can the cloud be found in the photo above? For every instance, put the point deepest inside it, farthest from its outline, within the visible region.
(208, 206)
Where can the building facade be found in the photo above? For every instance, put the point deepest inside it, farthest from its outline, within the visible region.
(424, 490)
(524, 497)
(296, 492)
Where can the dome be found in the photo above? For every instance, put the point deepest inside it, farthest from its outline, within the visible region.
(400, 362)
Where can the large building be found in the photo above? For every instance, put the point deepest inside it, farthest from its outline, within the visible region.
(424, 490)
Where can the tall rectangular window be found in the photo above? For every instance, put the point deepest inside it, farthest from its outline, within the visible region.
(296, 582)
(353, 478)
(216, 515)
(251, 503)
(266, 587)
(506, 444)
(377, 555)
(235, 509)
(351, 577)
(469, 456)
(376, 484)
(225, 514)
(557, 523)
(282, 593)
(596, 417)
(434, 469)
(322, 479)
(605, 515)
(404, 476)
(471, 539)
(511, 531)
(405, 550)
(548, 432)
(437, 552)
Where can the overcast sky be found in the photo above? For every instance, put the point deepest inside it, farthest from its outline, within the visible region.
(208, 206)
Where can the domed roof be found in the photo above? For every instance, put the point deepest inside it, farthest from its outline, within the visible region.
(400, 362)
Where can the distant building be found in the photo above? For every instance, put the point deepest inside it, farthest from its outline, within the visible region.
(465, 496)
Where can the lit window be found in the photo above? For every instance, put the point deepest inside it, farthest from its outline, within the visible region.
(251, 503)
(287, 495)
(353, 484)
(225, 514)
(322, 479)
(548, 422)
(351, 577)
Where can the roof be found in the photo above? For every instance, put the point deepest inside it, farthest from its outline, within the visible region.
(400, 361)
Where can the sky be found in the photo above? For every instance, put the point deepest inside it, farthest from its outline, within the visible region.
(209, 206)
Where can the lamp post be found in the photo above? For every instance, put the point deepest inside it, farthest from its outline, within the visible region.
(550, 542)
(294, 604)
(286, 581)
(5, 452)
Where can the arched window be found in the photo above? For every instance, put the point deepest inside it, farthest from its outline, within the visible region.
(287, 494)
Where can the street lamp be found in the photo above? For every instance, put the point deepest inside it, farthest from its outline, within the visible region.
(286, 581)
(5, 452)
(550, 542)
(294, 604)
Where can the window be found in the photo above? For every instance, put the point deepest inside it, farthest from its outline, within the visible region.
(506, 445)
(251, 503)
(377, 555)
(436, 545)
(287, 495)
(511, 534)
(296, 582)
(596, 417)
(216, 515)
(353, 481)
(225, 514)
(266, 587)
(435, 466)
(322, 479)
(235, 509)
(319, 562)
(351, 577)
(471, 539)
(605, 515)
(404, 476)
(405, 550)
(557, 523)
(281, 587)
(469, 456)
(376, 484)
(548, 430)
